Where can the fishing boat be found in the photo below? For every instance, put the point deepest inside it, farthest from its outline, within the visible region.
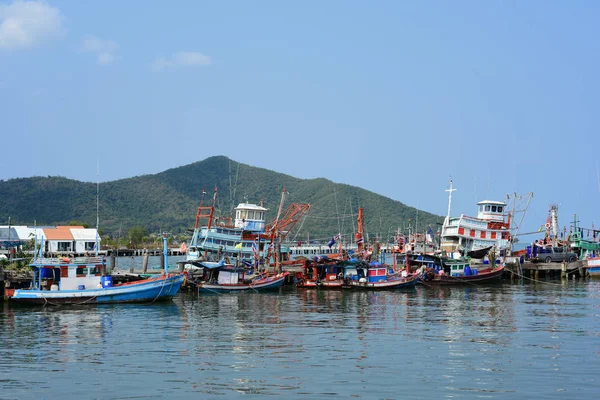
(322, 273)
(84, 280)
(247, 238)
(375, 276)
(219, 277)
(593, 266)
(446, 271)
(463, 235)
(587, 248)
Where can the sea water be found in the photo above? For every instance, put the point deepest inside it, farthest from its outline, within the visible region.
(504, 341)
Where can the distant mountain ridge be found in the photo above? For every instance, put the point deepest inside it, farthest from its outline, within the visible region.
(167, 201)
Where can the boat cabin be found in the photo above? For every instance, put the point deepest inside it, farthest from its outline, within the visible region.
(374, 272)
(250, 217)
(70, 274)
(223, 274)
(490, 210)
(458, 268)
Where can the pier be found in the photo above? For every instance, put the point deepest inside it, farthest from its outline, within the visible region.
(535, 271)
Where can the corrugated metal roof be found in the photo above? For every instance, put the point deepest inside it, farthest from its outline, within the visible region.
(28, 233)
(84, 234)
(60, 232)
(9, 234)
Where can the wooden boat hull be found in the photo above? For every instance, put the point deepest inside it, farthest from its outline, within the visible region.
(147, 290)
(494, 275)
(265, 284)
(390, 284)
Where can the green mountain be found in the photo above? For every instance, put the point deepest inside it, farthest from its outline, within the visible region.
(168, 201)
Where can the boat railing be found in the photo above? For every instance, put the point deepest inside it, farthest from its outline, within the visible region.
(67, 260)
(466, 220)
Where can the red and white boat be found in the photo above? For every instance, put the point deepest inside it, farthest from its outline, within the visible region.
(474, 235)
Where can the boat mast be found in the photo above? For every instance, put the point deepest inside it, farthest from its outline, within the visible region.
(165, 254)
(274, 233)
(554, 222)
(212, 210)
(199, 207)
(359, 232)
(450, 190)
(98, 206)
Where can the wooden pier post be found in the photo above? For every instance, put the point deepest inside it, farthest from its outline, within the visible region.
(563, 270)
(112, 262)
(581, 270)
(145, 263)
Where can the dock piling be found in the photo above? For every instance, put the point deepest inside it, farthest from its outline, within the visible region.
(145, 263)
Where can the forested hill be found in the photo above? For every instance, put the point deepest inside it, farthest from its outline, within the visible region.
(168, 201)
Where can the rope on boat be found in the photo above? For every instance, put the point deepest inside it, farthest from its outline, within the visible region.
(536, 280)
(160, 292)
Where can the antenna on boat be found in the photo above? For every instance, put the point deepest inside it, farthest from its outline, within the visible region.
(97, 203)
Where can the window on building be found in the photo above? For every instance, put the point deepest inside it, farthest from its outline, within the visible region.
(64, 246)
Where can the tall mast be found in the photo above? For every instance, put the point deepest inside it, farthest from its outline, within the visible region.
(450, 190)
(98, 205)
(199, 207)
(554, 222)
(359, 232)
(210, 218)
(274, 232)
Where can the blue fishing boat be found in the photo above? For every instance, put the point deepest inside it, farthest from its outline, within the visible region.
(84, 280)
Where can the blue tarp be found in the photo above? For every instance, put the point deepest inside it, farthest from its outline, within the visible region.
(212, 265)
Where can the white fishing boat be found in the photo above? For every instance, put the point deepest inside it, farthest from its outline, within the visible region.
(475, 235)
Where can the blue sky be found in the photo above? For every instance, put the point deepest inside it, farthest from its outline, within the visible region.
(396, 97)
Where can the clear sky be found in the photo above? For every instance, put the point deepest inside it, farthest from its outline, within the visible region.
(396, 97)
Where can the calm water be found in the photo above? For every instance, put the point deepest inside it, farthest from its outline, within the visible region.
(502, 342)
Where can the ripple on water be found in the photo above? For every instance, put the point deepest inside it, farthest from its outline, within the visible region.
(495, 342)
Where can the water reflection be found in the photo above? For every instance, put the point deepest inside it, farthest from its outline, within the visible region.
(428, 342)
